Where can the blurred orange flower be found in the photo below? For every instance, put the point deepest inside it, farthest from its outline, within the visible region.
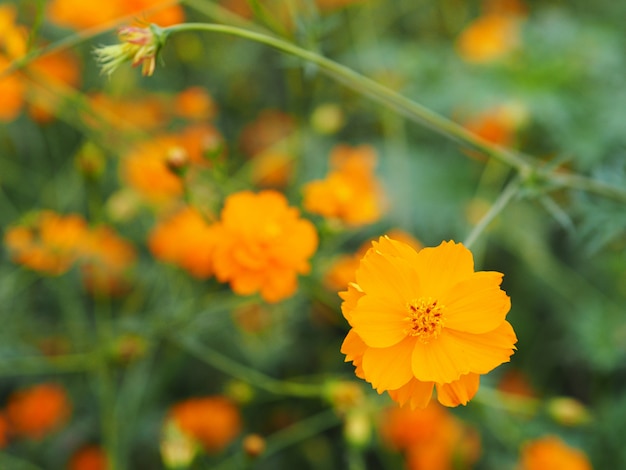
(195, 103)
(4, 431)
(263, 245)
(272, 168)
(350, 193)
(187, 240)
(105, 261)
(140, 112)
(147, 167)
(552, 453)
(425, 319)
(12, 46)
(79, 15)
(38, 410)
(58, 69)
(50, 243)
(89, 458)
(213, 421)
(489, 38)
(269, 128)
(432, 438)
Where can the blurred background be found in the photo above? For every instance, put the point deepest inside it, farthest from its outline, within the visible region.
(121, 349)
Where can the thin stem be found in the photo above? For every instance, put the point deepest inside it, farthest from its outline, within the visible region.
(36, 365)
(246, 374)
(298, 432)
(371, 89)
(503, 199)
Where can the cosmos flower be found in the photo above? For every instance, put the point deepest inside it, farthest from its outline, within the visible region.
(263, 245)
(425, 319)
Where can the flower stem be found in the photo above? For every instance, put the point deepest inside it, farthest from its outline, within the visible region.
(246, 374)
(503, 199)
(369, 88)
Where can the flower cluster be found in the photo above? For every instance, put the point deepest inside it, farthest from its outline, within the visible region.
(259, 244)
(52, 243)
(425, 319)
(350, 192)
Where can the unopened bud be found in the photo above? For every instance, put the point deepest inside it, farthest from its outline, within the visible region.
(253, 445)
(327, 118)
(177, 160)
(568, 411)
(357, 428)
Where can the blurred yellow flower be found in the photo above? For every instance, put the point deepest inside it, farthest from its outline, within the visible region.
(213, 421)
(426, 319)
(552, 453)
(350, 192)
(263, 245)
(38, 410)
(187, 240)
(489, 37)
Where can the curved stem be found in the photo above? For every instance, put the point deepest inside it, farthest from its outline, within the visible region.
(371, 89)
(503, 199)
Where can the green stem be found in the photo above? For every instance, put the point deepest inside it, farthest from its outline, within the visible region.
(36, 365)
(503, 199)
(246, 374)
(371, 89)
(298, 432)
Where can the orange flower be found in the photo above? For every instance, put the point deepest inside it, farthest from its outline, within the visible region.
(431, 438)
(213, 421)
(426, 319)
(106, 259)
(350, 191)
(489, 37)
(50, 244)
(12, 46)
(143, 112)
(147, 170)
(262, 245)
(269, 128)
(78, 14)
(195, 103)
(185, 239)
(38, 410)
(341, 271)
(272, 168)
(4, 430)
(551, 453)
(89, 458)
(61, 69)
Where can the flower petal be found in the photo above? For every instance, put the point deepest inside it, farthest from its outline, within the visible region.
(476, 304)
(484, 352)
(354, 348)
(458, 392)
(442, 267)
(441, 360)
(416, 393)
(389, 368)
(378, 324)
(387, 277)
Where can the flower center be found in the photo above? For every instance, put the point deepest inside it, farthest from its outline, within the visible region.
(425, 319)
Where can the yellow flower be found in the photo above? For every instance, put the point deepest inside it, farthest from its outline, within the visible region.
(426, 319)
(263, 245)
